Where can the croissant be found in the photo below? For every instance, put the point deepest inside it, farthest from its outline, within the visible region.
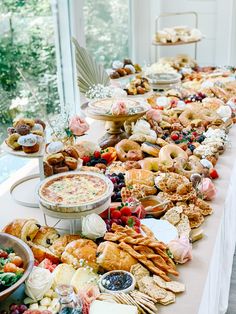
(25, 229)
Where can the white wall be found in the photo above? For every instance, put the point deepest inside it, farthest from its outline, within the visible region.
(216, 21)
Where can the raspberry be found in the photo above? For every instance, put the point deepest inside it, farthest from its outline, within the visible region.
(86, 159)
(97, 154)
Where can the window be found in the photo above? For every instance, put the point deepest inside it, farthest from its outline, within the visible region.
(106, 27)
(28, 73)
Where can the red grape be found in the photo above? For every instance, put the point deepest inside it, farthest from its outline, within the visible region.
(22, 308)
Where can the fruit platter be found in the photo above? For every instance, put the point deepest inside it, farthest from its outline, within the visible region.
(160, 181)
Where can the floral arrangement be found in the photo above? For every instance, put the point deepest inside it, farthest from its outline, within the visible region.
(100, 91)
(66, 127)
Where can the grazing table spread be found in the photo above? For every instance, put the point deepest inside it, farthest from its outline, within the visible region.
(155, 208)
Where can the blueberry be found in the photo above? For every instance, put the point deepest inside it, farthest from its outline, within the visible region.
(191, 147)
(93, 163)
(164, 137)
(102, 161)
(121, 176)
(177, 142)
(201, 138)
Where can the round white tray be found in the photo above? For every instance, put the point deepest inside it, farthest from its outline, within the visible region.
(20, 153)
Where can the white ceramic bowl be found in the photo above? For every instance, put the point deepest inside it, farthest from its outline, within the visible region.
(126, 290)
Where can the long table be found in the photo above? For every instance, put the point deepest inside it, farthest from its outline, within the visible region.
(207, 276)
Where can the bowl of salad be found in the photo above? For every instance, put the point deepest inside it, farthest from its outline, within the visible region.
(16, 263)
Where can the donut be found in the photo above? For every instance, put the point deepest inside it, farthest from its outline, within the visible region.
(212, 103)
(187, 168)
(55, 159)
(11, 130)
(71, 162)
(210, 115)
(190, 117)
(170, 152)
(128, 150)
(72, 152)
(38, 132)
(29, 122)
(23, 129)
(150, 163)
(150, 149)
(129, 164)
(12, 141)
(37, 127)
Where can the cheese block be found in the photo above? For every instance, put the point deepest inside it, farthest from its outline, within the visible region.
(102, 307)
(62, 275)
(84, 277)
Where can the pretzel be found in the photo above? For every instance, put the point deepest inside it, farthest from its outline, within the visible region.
(147, 231)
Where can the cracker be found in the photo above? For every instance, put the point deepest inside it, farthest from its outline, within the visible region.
(183, 226)
(169, 298)
(173, 215)
(148, 286)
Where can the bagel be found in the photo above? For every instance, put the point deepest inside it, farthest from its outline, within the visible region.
(170, 152)
(190, 117)
(128, 150)
(150, 149)
(150, 163)
(187, 168)
(12, 141)
(210, 115)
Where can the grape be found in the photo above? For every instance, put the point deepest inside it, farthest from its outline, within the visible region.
(15, 312)
(13, 307)
(121, 185)
(22, 308)
(113, 180)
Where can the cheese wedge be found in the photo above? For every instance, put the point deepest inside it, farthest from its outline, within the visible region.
(83, 277)
(62, 275)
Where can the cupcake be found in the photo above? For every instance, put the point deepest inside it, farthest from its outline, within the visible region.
(23, 129)
(29, 143)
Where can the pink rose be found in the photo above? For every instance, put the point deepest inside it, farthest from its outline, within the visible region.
(119, 108)
(181, 249)
(154, 114)
(78, 126)
(207, 189)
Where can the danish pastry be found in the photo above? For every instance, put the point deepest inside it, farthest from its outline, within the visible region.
(12, 141)
(25, 229)
(46, 236)
(59, 245)
(71, 162)
(55, 159)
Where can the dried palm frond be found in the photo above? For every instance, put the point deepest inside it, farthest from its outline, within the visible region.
(89, 72)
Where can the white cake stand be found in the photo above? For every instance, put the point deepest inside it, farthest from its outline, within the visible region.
(28, 183)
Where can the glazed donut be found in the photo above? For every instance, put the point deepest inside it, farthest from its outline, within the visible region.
(187, 168)
(150, 163)
(12, 141)
(71, 162)
(170, 152)
(150, 149)
(128, 150)
(38, 132)
(190, 117)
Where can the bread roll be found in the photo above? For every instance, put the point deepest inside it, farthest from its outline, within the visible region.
(80, 253)
(110, 257)
(46, 236)
(60, 244)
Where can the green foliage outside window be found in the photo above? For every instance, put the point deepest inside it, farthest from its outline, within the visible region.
(106, 29)
(28, 80)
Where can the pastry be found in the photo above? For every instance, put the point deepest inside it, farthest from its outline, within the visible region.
(54, 147)
(71, 162)
(46, 236)
(29, 143)
(11, 130)
(170, 152)
(72, 152)
(40, 253)
(55, 159)
(25, 229)
(29, 122)
(48, 169)
(150, 149)
(128, 150)
(37, 132)
(139, 176)
(110, 257)
(39, 121)
(12, 141)
(60, 169)
(59, 245)
(80, 253)
(22, 129)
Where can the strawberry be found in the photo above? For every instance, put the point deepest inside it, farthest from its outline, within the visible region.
(116, 214)
(125, 211)
(107, 156)
(124, 219)
(97, 154)
(175, 137)
(86, 159)
(213, 173)
(137, 229)
(104, 214)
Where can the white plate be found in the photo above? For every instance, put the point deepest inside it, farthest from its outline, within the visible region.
(162, 229)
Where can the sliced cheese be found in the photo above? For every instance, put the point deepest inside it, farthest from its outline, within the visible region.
(102, 307)
(83, 277)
